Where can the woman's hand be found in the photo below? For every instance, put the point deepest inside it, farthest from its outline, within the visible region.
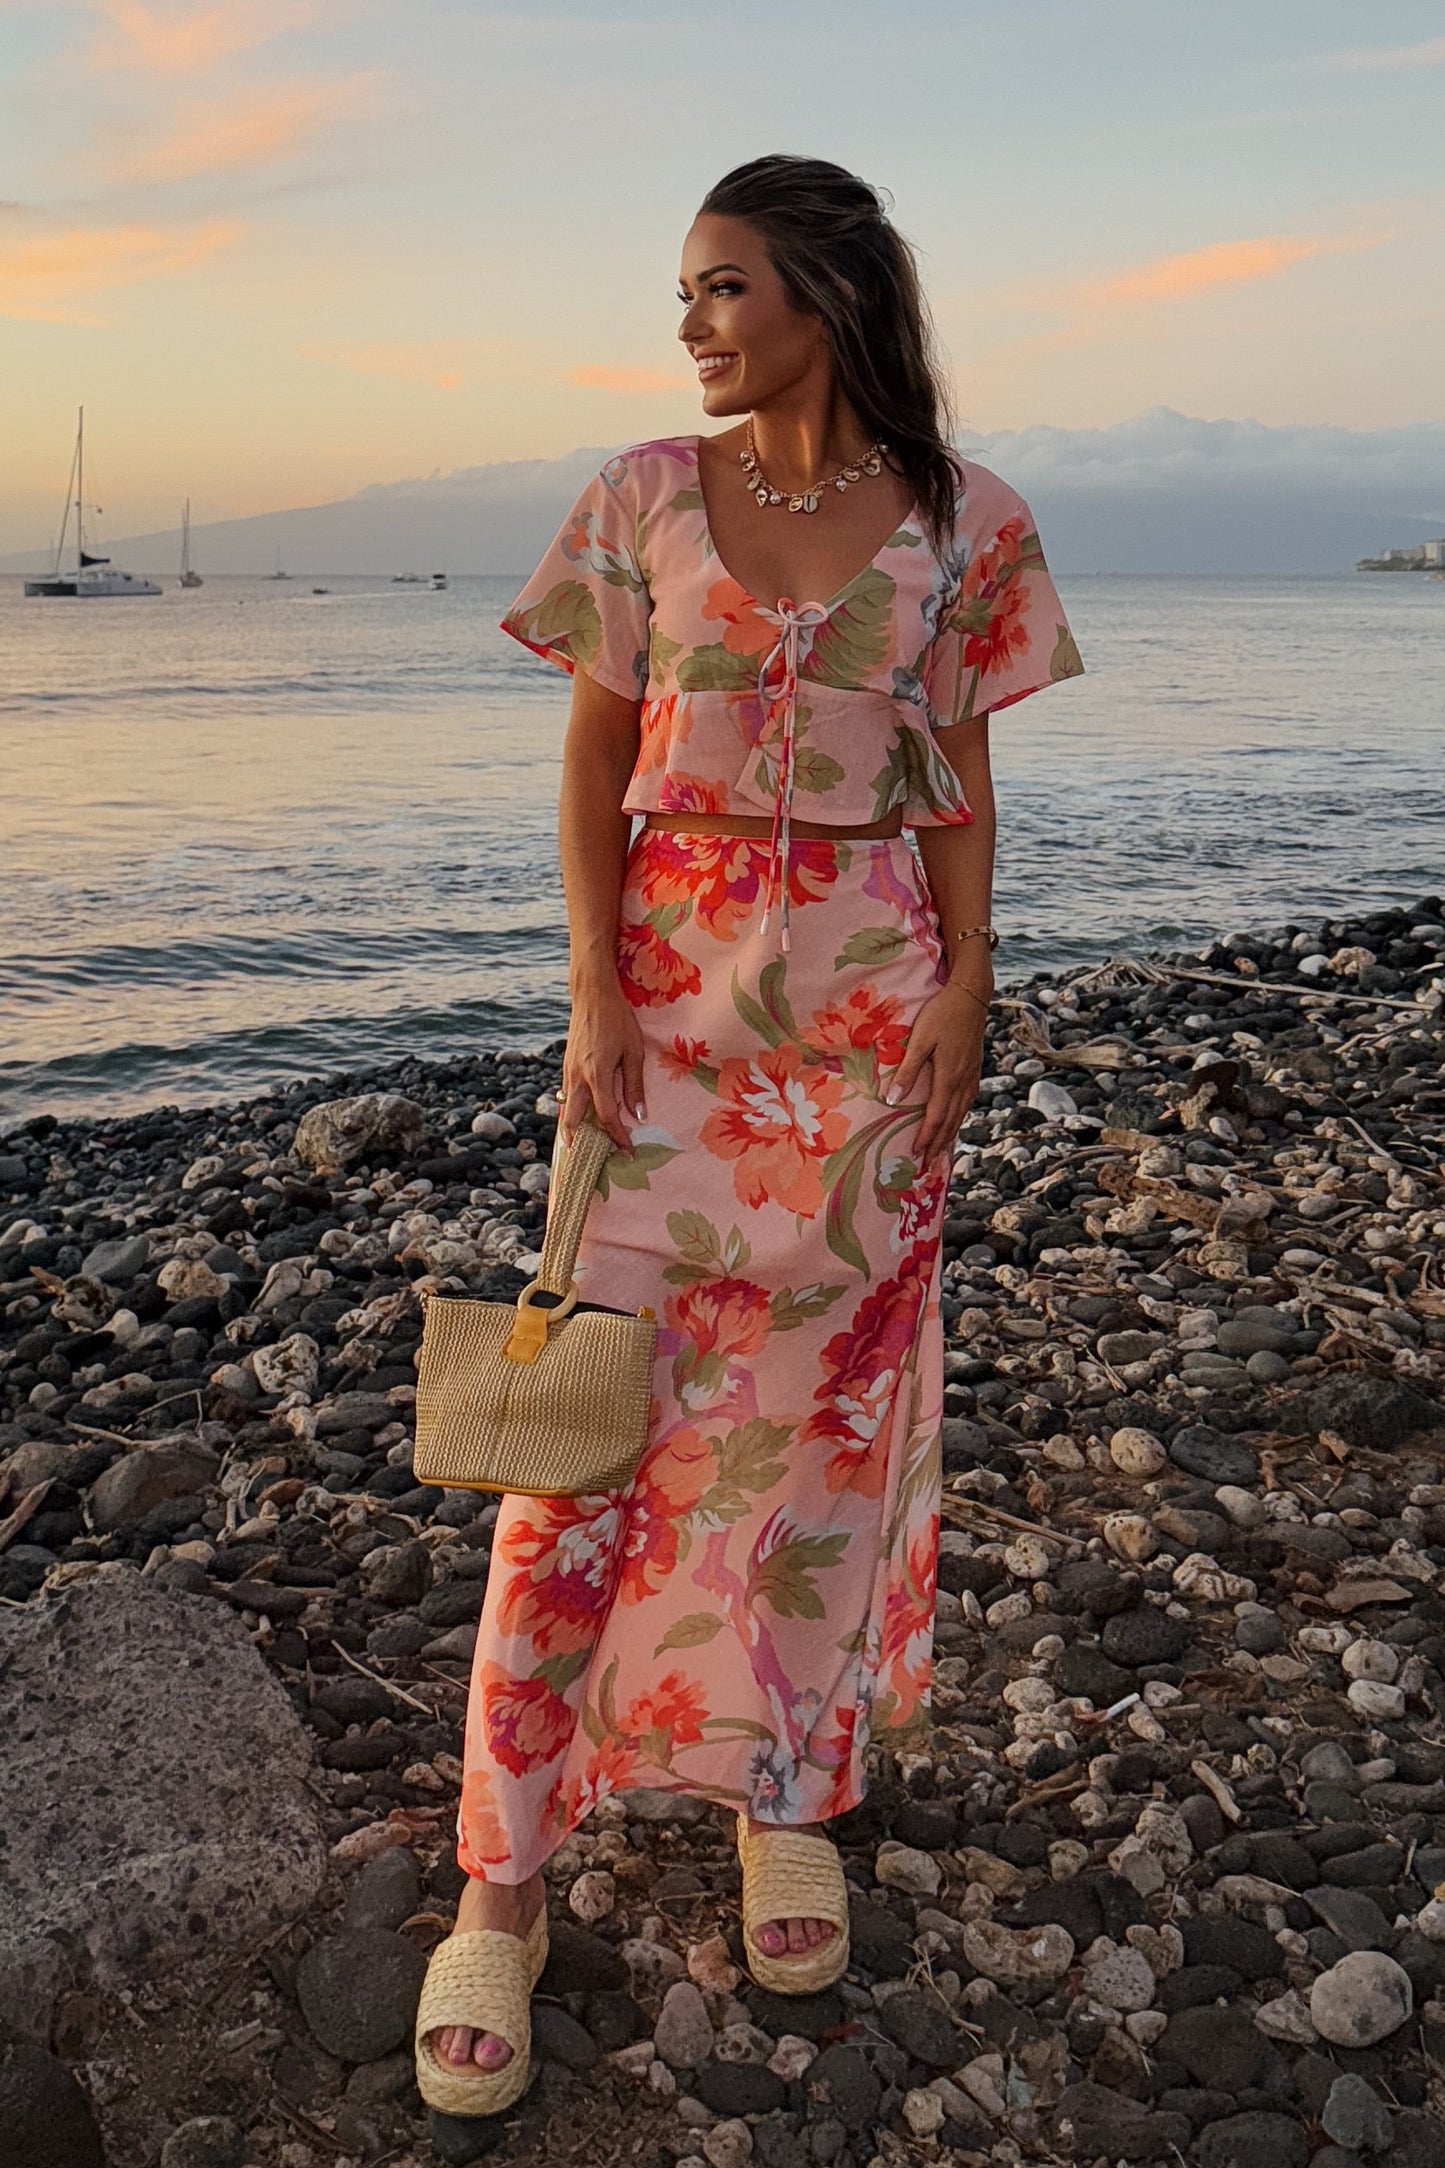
(603, 1065)
(946, 1043)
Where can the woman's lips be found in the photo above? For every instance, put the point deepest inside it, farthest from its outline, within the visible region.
(710, 366)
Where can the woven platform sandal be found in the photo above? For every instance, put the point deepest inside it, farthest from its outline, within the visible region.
(483, 1980)
(793, 1874)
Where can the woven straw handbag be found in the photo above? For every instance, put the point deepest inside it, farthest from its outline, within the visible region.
(542, 1396)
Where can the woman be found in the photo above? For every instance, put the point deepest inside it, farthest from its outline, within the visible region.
(778, 1015)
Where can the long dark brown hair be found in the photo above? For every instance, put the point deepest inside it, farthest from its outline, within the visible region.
(828, 236)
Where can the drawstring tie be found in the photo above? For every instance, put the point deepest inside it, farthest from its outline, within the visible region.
(793, 618)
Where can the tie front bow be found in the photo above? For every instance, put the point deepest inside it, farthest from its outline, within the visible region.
(793, 621)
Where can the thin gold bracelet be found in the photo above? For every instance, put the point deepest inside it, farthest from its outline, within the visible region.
(992, 932)
(984, 1005)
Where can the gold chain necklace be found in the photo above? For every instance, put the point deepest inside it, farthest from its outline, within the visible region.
(806, 500)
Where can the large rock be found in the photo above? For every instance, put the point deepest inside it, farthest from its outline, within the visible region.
(683, 2031)
(207, 2141)
(1355, 2116)
(1092, 2120)
(377, 1125)
(1009, 1954)
(397, 1573)
(1256, 2139)
(152, 1791)
(1375, 1414)
(118, 1261)
(1204, 1452)
(44, 2116)
(40, 1460)
(1145, 1636)
(387, 1890)
(1361, 2000)
(132, 1487)
(1354, 1917)
(359, 1990)
(1216, 2046)
(843, 2085)
(287, 1366)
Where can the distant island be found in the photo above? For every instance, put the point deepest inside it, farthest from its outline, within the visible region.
(1156, 492)
(1424, 557)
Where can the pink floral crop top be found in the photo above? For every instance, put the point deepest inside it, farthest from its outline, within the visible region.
(829, 706)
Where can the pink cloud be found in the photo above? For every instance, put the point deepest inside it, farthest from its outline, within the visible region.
(1220, 263)
(1180, 277)
(253, 128)
(44, 276)
(171, 40)
(1429, 53)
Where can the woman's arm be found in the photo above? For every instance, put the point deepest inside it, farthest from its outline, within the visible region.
(947, 1039)
(603, 1065)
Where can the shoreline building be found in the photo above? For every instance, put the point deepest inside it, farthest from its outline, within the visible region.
(1423, 557)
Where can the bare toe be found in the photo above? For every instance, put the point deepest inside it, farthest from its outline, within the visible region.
(453, 2044)
(793, 1938)
(491, 2051)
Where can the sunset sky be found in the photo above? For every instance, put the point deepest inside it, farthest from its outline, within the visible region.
(285, 248)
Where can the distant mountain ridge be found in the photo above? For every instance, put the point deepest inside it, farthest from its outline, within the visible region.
(478, 519)
(1160, 492)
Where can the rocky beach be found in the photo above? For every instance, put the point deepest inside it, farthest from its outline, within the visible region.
(1165, 1884)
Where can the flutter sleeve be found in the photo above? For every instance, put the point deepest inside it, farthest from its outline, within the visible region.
(587, 606)
(1004, 634)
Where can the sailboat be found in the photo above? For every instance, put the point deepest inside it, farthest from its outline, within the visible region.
(93, 576)
(278, 574)
(188, 577)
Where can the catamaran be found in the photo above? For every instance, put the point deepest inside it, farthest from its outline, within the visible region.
(188, 577)
(93, 576)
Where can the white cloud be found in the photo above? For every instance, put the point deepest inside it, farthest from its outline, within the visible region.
(1160, 492)
(1169, 492)
(1373, 59)
(1161, 450)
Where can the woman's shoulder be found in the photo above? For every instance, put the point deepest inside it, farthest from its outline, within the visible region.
(655, 466)
(986, 503)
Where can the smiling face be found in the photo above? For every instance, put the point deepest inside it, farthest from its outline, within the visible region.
(750, 343)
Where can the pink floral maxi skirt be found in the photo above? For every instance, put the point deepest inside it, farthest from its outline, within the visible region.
(758, 1603)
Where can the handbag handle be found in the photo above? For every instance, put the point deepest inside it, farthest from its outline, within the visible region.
(582, 1162)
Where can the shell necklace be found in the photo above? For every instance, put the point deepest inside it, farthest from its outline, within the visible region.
(806, 500)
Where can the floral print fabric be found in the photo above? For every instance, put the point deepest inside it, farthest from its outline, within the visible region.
(757, 1604)
(633, 593)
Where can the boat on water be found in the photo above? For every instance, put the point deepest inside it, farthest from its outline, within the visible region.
(278, 574)
(93, 576)
(189, 577)
(439, 583)
(408, 579)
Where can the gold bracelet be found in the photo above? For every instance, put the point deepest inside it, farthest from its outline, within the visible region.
(992, 932)
(984, 1005)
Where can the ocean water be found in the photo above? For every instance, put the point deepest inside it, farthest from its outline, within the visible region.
(252, 832)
